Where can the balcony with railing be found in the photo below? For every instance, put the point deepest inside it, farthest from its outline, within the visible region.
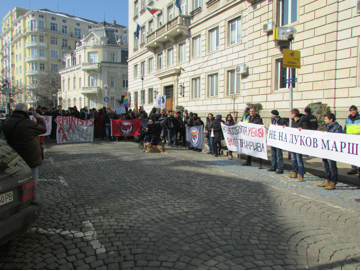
(90, 90)
(35, 44)
(35, 72)
(168, 32)
(36, 58)
(66, 47)
(90, 66)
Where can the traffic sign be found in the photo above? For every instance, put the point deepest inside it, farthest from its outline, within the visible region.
(291, 59)
(106, 99)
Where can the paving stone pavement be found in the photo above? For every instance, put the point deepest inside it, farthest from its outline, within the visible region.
(109, 206)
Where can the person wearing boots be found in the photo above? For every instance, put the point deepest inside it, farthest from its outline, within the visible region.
(276, 120)
(330, 166)
(299, 122)
(218, 135)
(255, 119)
(352, 127)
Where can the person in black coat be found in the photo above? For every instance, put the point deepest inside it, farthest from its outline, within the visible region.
(172, 125)
(255, 119)
(311, 119)
(218, 135)
(275, 152)
(153, 114)
(208, 130)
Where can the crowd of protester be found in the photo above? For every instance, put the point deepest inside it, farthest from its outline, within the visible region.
(171, 128)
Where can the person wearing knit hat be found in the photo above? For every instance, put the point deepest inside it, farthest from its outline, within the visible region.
(276, 154)
(246, 116)
(353, 127)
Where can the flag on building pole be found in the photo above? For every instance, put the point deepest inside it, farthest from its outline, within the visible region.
(178, 6)
(153, 10)
(126, 100)
(138, 31)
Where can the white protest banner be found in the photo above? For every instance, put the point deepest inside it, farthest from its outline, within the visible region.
(338, 147)
(246, 138)
(48, 124)
(160, 102)
(70, 129)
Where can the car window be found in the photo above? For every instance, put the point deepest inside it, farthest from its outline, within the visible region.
(11, 164)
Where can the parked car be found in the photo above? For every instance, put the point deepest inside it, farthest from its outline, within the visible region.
(18, 207)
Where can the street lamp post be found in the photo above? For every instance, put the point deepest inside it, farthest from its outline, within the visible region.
(290, 34)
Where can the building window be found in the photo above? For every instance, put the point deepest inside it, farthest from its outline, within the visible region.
(74, 82)
(196, 88)
(69, 84)
(41, 24)
(234, 82)
(77, 33)
(197, 46)
(53, 27)
(135, 97)
(214, 39)
(33, 38)
(160, 61)
(170, 12)
(74, 101)
(142, 68)
(135, 71)
(283, 74)
(42, 66)
(183, 4)
(213, 85)
(287, 12)
(151, 65)
(54, 54)
(136, 7)
(19, 56)
(197, 4)
(54, 67)
(65, 43)
(54, 40)
(77, 24)
(142, 33)
(41, 52)
(170, 57)
(41, 38)
(182, 52)
(93, 57)
(34, 80)
(34, 52)
(41, 16)
(112, 82)
(33, 25)
(64, 30)
(151, 26)
(150, 95)
(53, 18)
(125, 39)
(235, 31)
(112, 57)
(92, 80)
(135, 42)
(112, 101)
(19, 69)
(79, 82)
(34, 66)
(160, 19)
(16, 58)
(16, 71)
(125, 81)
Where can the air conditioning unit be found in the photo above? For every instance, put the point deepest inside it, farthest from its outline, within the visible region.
(241, 69)
(268, 27)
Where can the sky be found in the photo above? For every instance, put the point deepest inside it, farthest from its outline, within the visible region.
(88, 9)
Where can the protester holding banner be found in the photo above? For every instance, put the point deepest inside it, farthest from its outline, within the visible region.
(330, 166)
(230, 122)
(276, 152)
(352, 127)
(209, 130)
(255, 119)
(299, 122)
(218, 135)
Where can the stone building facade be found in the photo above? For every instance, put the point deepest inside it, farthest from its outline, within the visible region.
(193, 57)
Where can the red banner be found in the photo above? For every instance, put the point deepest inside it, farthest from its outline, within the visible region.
(126, 127)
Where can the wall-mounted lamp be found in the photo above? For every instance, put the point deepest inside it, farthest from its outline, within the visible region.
(155, 94)
(181, 90)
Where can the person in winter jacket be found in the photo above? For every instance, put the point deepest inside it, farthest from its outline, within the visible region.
(255, 119)
(195, 121)
(22, 134)
(229, 122)
(185, 123)
(142, 114)
(218, 135)
(100, 124)
(330, 166)
(311, 119)
(352, 127)
(208, 131)
(247, 115)
(153, 114)
(300, 122)
(275, 152)
(172, 125)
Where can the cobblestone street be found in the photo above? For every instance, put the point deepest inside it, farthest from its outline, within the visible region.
(109, 206)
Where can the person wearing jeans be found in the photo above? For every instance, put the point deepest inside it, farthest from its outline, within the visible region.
(299, 122)
(276, 152)
(330, 166)
(172, 125)
(229, 122)
(209, 127)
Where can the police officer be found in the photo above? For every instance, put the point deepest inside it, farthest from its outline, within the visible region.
(352, 127)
